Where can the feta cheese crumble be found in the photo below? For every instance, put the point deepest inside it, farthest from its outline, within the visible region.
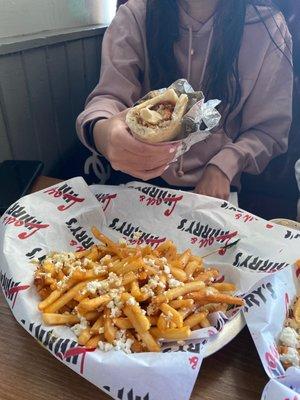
(289, 337)
(78, 328)
(291, 357)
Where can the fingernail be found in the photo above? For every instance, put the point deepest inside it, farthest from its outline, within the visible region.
(172, 150)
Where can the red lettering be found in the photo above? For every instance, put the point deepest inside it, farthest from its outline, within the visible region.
(50, 191)
(72, 199)
(203, 243)
(76, 351)
(193, 362)
(15, 290)
(55, 192)
(108, 199)
(155, 242)
(271, 360)
(194, 240)
(35, 228)
(151, 201)
(174, 201)
(287, 301)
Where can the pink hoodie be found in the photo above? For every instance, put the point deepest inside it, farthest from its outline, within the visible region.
(258, 127)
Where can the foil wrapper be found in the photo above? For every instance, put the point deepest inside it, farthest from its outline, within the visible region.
(200, 119)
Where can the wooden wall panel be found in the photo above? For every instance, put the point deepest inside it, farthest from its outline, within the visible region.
(42, 90)
(5, 150)
(39, 98)
(17, 108)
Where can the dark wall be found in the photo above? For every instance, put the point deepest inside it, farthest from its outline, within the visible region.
(279, 178)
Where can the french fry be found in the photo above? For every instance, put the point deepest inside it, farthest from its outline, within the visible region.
(206, 298)
(123, 323)
(207, 276)
(128, 278)
(81, 296)
(150, 342)
(136, 293)
(153, 320)
(185, 312)
(224, 287)
(172, 294)
(93, 342)
(89, 275)
(132, 266)
(65, 298)
(135, 321)
(44, 292)
(139, 292)
(50, 299)
(82, 254)
(93, 255)
(211, 307)
(48, 267)
(184, 303)
(99, 323)
(297, 311)
(84, 336)
(139, 319)
(172, 334)
(195, 319)
(165, 247)
(163, 323)
(109, 243)
(137, 347)
(192, 267)
(179, 274)
(60, 319)
(92, 304)
(204, 323)
(142, 276)
(146, 337)
(175, 315)
(198, 259)
(109, 329)
(184, 258)
(91, 316)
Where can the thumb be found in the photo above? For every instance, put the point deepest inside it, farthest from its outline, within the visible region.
(122, 114)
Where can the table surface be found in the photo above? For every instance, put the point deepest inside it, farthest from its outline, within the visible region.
(29, 372)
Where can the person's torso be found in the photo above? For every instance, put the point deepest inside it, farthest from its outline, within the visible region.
(192, 54)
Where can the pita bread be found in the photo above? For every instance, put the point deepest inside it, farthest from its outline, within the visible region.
(150, 125)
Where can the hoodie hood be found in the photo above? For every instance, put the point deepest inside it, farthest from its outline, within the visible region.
(188, 21)
(254, 15)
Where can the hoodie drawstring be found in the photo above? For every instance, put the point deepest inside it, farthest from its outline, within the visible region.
(206, 56)
(180, 171)
(190, 54)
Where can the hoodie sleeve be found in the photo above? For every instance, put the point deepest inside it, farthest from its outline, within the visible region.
(122, 65)
(266, 119)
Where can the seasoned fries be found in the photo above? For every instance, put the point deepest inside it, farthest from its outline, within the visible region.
(129, 298)
(289, 338)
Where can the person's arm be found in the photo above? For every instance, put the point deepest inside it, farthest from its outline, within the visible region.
(119, 88)
(122, 64)
(266, 121)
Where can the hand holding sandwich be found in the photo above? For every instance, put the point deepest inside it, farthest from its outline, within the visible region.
(214, 183)
(127, 154)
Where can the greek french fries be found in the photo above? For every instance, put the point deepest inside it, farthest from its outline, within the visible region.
(289, 339)
(129, 298)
